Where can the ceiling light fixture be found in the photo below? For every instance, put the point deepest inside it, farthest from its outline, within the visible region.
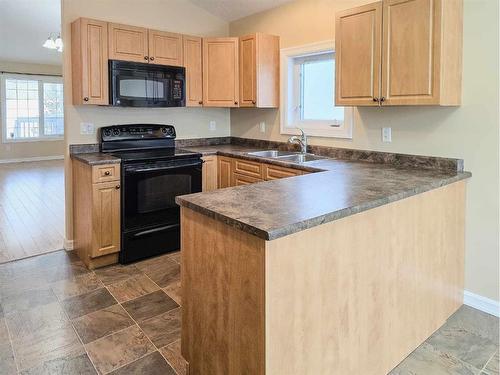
(53, 42)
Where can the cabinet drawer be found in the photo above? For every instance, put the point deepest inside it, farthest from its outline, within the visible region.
(104, 173)
(273, 172)
(248, 168)
(239, 179)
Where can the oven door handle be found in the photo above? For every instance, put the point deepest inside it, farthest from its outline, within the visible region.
(150, 231)
(153, 169)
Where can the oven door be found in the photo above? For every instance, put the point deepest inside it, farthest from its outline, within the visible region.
(150, 216)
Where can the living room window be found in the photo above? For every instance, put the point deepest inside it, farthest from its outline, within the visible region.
(32, 107)
(308, 93)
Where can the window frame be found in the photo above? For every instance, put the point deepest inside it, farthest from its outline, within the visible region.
(290, 95)
(3, 106)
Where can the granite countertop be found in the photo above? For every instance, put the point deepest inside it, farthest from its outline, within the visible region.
(96, 158)
(273, 209)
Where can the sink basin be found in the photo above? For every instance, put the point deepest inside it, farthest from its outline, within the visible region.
(272, 153)
(300, 158)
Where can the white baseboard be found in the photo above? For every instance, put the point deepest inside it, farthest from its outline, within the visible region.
(68, 244)
(482, 303)
(36, 158)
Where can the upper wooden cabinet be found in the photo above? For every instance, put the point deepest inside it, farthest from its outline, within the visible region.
(193, 58)
(89, 55)
(259, 71)
(220, 72)
(129, 43)
(400, 52)
(165, 48)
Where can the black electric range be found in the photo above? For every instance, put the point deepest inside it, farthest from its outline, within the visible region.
(153, 173)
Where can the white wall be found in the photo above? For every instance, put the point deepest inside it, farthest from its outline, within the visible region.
(23, 150)
(469, 131)
(170, 15)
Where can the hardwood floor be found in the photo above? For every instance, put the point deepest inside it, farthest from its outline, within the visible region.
(31, 208)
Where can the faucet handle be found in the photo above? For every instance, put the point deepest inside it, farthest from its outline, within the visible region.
(302, 133)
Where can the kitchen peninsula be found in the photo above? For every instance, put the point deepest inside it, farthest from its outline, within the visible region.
(289, 276)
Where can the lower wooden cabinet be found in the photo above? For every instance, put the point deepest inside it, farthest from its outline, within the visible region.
(96, 213)
(209, 173)
(224, 172)
(273, 172)
(241, 179)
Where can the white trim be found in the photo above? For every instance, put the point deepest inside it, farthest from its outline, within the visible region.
(36, 158)
(482, 303)
(68, 244)
(287, 89)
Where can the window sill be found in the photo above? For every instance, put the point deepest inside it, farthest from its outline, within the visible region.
(29, 140)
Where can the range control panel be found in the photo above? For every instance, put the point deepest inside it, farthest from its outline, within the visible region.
(136, 132)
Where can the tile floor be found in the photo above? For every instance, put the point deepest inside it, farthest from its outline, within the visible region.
(57, 317)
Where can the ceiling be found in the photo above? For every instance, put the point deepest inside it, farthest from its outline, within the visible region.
(231, 10)
(24, 27)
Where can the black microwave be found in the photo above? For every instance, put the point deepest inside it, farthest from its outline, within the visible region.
(134, 84)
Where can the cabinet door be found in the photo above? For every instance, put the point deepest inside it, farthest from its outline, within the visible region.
(224, 171)
(220, 72)
(410, 61)
(89, 60)
(358, 55)
(248, 74)
(165, 48)
(105, 218)
(194, 74)
(209, 173)
(273, 172)
(128, 43)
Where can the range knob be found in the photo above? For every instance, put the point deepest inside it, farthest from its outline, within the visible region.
(116, 132)
(107, 132)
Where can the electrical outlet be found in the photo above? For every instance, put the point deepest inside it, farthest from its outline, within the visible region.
(212, 126)
(87, 128)
(262, 127)
(386, 135)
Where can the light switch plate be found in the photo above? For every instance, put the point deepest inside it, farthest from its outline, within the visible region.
(87, 128)
(212, 126)
(386, 135)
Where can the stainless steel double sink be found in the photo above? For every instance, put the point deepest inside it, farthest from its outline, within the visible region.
(294, 157)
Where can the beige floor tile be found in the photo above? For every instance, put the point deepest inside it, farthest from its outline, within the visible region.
(114, 274)
(86, 303)
(152, 364)
(101, 323)
(172, 354)
(132, 288)
(70, 365)
(150, 305)
(7, 363)
(119, 349)
(163, 329)
(162, 270)
(57, 343)
(76, 286)
(27, 299)
(492, 367)
(174, 291)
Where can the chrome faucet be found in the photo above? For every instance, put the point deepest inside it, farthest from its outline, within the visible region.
(302, 141)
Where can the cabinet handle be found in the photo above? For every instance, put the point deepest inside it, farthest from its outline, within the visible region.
(146, 57)
(151, 58)
(107, 173)
(236, 103)
(375, 99)
(85, 99)
(382, 99)
(254, 102)
(200, 102)
(117, 187)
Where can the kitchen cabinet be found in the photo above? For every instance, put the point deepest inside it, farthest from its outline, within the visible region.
(89, 62)
(247, 167)
(259, 71)
(129, 43)
(240, 179)
(220, 72)
(274, 172)
(96, 213)
(400, 52)
(193, 57)
(209, 173)
(224, 172)
(132, 43)
(165, 48)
